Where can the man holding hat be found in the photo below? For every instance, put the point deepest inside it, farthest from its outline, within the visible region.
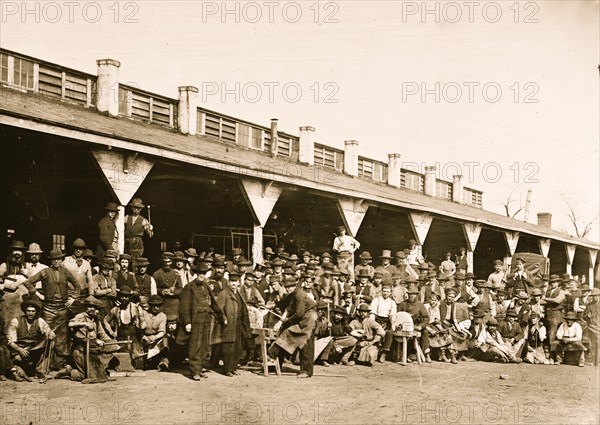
(87, 326)
(33, 265)
(296, 328)
(345, 246)
(155, 341)
(136, 227)
(27, 339)
(197, 308)
(107, 230)
(81, 269)
(58, 286)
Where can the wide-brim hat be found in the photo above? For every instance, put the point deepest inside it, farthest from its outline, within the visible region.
(571, 315)
(413, 290)
(55, 254)
(442, 277)
(156, 300)
(106, 263)
(269, 250)
(545, 277)
(460, 275)
(364, 307)
(142, 262)
(124, 290)
(492, 321)
(423, 266)
(478, 312)
(31, 302)
(321, 305)
(111, 206)
(236, 251)
(363, 273)
(536, 292)
(79, 243)
(137, 203)
(290, 281)
(218, 262)
(365, 255)
(386, 254)
(412, 242)
(91, 301)
(277, 262)
(470, 276)
(554, 278)
(179, 256)
(523, 295)
(202, 268)
(400, 254)
(431, 274)
(585, 287)
(595, 292)
(17, 245)
(88, 253)
(34, 249)
(191, 252)
(326, 255)
(511, 313)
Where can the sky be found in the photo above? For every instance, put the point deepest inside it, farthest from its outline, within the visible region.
(505, 93)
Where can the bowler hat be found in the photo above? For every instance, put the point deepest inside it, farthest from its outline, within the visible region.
(106, 263)
(91, 301)
(111, 206)
(234, 276)
(124, 290)
(218, 262)
(202, 268)
(78, 243)
(142, 262)
(585, 287)
(536, 292)
(136, 203)
(31, 302)
(363, 273)
(431, 274)
(17, 245)
(480, 283)
(366, 255)
(156, 300)
(386, 254)
(294, 257)
(492, 321)
(55, 254)
(478, 312)
(34, 249)
(277, 262)
(306, 254)
(545, 277)
(236, 251)
(364, 307)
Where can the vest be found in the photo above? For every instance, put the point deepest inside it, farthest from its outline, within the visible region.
(144, 285)
(129, 280)
(27, 336)
(55, 285)
(134, 229)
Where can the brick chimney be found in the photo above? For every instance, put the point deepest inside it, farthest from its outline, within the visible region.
(351, 158)
(307, 145)
(394, 169)
(429, 186)
(544, 219)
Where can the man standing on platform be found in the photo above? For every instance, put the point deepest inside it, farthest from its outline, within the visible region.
(136, 227)
(345, 246)
(107, 229)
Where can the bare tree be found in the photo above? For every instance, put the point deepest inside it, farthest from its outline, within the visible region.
(507, 205)
(582, 227)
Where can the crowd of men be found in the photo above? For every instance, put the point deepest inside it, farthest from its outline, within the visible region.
(66, 319)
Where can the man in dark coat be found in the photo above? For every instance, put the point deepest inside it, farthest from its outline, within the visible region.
(196, 310)
(235, 327)
(297, 327)
(107, 229)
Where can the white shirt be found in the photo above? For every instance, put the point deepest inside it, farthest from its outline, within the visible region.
(345, 243)
(383, 307)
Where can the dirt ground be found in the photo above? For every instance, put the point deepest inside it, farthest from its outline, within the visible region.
(470, 393)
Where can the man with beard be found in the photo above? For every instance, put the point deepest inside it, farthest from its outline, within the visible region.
(386, 269)
(169, 287)
(145, 285)
(402, 267)
(107, 230)
(234, 329)
(236, 258)
(454, 318)
(126, 320)
(296, 328)
(81, 269)
(419, 314)
(27, 339)
(369, 333)
(196, 310)
(87, 326)
(103, 286)
(136, 227)
(124, 277)
(218, 275)
(341, 346)
(58, 285)
(155, 340)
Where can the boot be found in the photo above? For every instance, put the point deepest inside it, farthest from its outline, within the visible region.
(64, 372)
(15, 375)
(381, 357)
(453, 357)
(427, 358)
(443, 357)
